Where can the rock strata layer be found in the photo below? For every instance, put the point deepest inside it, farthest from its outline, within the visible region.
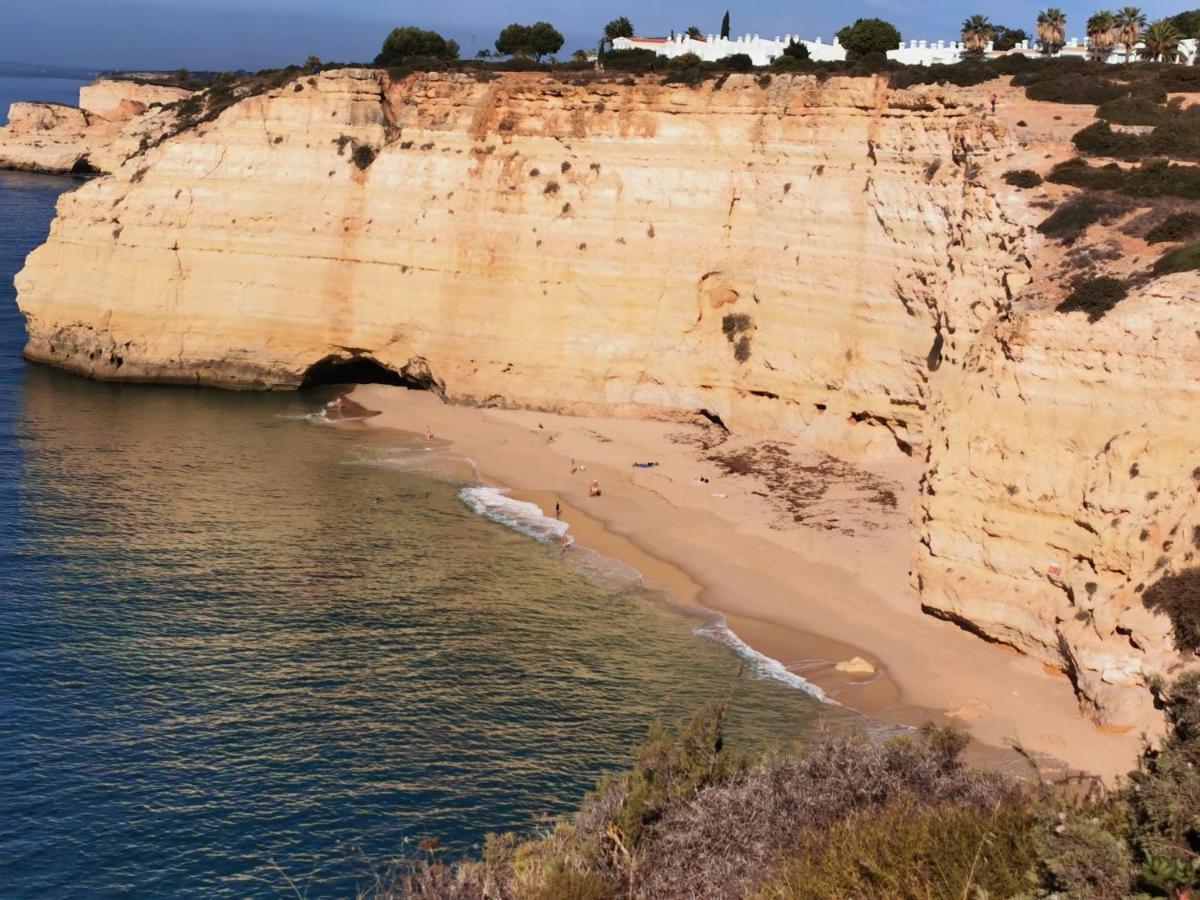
(815, 257)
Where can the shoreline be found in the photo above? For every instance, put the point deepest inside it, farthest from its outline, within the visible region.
(809, 595)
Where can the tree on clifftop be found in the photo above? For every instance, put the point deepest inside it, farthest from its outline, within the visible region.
(536, 40)
(1130, 21)
(1161, 42)
(618, 27)
(411, 42)
(977, 33)
(869, 36)
(1007, 38)
(1051, 29)
(725, 25)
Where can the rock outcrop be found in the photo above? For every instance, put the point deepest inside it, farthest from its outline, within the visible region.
(1063, 478)
(108, 127)
(813, 256)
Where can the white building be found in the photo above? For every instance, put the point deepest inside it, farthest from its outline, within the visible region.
(763, 51)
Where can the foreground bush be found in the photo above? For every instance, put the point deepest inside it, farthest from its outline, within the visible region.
(911, 851)
(846, 817)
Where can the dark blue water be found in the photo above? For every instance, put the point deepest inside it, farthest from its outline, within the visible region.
(236, 644)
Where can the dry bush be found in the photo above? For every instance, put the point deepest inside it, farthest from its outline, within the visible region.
(913, 851)
(726, 842)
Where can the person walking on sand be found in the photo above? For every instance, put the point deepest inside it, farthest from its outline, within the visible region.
(594, 490)
(428, 433)
(993, 104)
(557, 510)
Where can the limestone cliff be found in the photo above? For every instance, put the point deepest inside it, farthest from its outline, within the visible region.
(105, 129)
(1063, 478)
(792, 254)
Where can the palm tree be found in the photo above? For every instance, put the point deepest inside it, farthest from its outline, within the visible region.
(1051, 29)
(1101, 34)
(1160, 42)
(1130, 21)
(977, 33)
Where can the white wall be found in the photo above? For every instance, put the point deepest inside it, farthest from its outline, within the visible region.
(763, 51)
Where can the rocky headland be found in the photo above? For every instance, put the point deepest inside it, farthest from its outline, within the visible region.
(832, 260)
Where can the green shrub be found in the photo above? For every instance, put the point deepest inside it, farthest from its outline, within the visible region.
(1181, 259)
(867, 36)
(670, 769)
(1075, 88)
(1098, 139)
(737, 62)
(1022, 178)
(1164, 790)
(1131, 111)
(412, 42)
(1095, 296)
(636, 60)
(1178, 596)
(796, 50)
(1084, 852)
(1180, 79)
(1180, 226)
(1176, 135)
(1076, 215)
(911, 850)
(1153, 178)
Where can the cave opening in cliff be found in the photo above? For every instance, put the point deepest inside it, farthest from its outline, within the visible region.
(354, 370)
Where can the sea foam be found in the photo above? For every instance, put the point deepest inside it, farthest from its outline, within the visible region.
(520, 515)
(764, 666)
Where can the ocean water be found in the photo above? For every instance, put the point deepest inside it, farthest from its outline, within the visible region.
(240, 647)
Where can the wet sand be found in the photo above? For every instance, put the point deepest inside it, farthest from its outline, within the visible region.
(804, 554)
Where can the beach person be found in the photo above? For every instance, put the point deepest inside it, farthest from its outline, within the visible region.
(993, 104)
(428, 433)
(594, 490)
(574, 468)
(567, 543)
(557, 510)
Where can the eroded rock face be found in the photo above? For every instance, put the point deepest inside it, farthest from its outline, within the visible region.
(798, 256)
(815, 257)
(1064, 478)
(97, 136)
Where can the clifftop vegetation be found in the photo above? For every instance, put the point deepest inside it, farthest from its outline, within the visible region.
(845, 817)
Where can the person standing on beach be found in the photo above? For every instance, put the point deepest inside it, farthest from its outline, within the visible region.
(557, 510)
(567, 542)
(428, 433)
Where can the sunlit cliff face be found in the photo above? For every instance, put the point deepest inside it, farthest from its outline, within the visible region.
(815, 257)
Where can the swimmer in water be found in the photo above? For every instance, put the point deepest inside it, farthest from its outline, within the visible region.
(567, 543)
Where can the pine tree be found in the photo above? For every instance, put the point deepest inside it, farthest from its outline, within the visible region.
(725, 25)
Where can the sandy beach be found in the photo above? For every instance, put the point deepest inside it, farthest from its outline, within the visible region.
(804, 554)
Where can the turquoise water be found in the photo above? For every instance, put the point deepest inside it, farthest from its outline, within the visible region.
(237, 643)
